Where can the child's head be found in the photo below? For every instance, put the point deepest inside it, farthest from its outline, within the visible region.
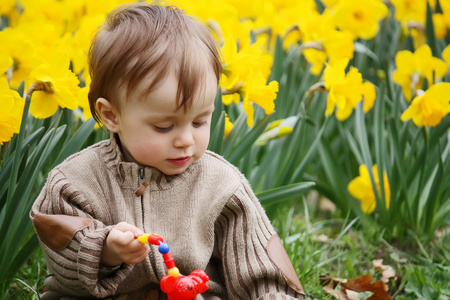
(147, 42)
(155, 73)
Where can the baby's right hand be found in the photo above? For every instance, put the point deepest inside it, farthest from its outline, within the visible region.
(121, 246)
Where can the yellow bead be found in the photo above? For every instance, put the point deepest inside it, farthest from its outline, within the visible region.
(143, 238)
(174, 272)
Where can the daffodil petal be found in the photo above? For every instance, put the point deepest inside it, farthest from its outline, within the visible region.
(43, 105)
(7, 127)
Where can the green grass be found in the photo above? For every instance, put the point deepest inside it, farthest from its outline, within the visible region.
(325, 244)
(30, 279)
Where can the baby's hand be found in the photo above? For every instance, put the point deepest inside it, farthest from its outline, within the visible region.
(121, 246)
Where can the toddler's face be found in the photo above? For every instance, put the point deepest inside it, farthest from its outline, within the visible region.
(155, 134)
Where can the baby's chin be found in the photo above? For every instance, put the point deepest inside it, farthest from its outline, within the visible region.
(175, 171)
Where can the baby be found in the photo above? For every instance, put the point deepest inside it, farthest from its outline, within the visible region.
(155, 73)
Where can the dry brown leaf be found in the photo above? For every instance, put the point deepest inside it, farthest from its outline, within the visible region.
(337, 294)
(364, 284)
(387, 272)
(351, 288)
(329, 286)
(352, 295)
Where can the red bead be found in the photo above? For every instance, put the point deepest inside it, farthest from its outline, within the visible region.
(169, 261)
(155, 239)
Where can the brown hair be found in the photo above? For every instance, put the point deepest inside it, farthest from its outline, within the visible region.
(140, 40)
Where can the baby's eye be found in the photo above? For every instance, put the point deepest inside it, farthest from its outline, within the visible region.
(163, 129)
(199, 124)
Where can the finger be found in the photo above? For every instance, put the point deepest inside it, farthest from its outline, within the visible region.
(123, 226)
(127, 237)
(138, 256)
(121, 238)
(136, 246)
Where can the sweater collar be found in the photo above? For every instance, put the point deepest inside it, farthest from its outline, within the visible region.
(128, 173)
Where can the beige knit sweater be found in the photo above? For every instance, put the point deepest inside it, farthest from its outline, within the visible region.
(208, 215)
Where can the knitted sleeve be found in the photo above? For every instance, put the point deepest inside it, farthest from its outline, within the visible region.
(72, 238)
(245, 238)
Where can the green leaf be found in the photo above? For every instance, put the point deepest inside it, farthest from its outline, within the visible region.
(18, 209)
(216, 141)
(283, 193)
(298, 173)
(320, 6)
(278, 58)
(218, 109)
(20, 257)
(17, 157)
(5, 170)
(77, 140)
(239, 127)
(247, 141)
(433, 201)
(335, 177)
(362, 135)
(363, 49)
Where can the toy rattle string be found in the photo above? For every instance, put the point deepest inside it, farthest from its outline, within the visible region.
(164, 249)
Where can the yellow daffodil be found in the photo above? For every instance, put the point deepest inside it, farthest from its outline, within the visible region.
(410, 10)
(317, 59)
(222, 17)
(232, 64)
(228, 98)
(330, 3)
(322, 42)
(344, 90)
(338, 45)
(80, 41)
(440, 26)
(44, 10)
(361, 188)
(7, 124)
(228, 125)
(245, 73)
(317, 26)
(17, 45)
(283, 17)
(55, 86)
(361, 18)
(445, 6)
(6, 7)
(369, 94)
(412, 16)
(6, 62)
(446, 55)
(430, 107)
(238, 64)
(11, 107)
(83, 100)
(255, 90)
(412, 68)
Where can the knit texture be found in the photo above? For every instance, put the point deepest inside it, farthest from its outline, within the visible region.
(208, 215)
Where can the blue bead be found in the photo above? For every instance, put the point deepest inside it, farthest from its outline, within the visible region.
(163, 248)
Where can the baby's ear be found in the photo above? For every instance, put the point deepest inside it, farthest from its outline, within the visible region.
(108, 114)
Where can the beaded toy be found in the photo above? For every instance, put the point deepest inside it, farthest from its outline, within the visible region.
(176, 286)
